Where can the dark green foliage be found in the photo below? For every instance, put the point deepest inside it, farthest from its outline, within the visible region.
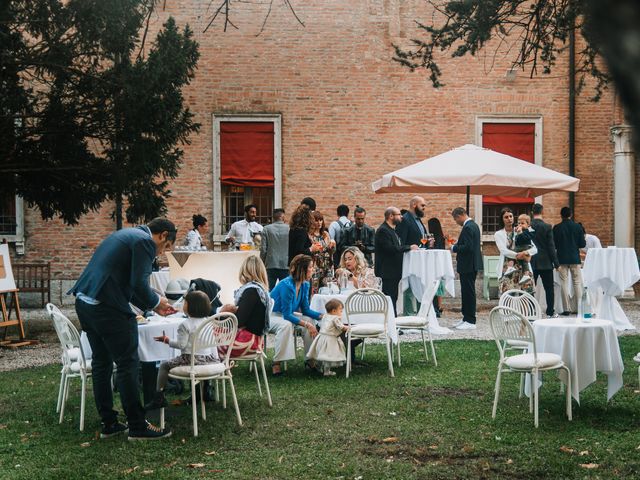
(85, 117)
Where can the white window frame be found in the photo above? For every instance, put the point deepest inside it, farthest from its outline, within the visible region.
(276, 119)
(537, 152)
(18, 238)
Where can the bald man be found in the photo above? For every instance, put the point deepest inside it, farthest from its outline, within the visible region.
(410, 232)
(389, 251)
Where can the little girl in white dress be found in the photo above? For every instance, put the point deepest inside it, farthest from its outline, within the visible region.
(328, 347)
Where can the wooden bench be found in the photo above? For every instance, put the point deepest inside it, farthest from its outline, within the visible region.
(34, 277)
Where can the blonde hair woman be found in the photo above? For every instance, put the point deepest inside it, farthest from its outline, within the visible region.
(252, 307)
(354, 265)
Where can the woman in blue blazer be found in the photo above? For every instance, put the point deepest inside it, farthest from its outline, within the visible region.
(291, 310)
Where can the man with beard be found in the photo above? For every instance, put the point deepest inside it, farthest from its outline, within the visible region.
(359, 235)
(243, 230)
(411, 231)
(389, 250)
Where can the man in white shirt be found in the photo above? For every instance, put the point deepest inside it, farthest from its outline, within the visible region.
(243, 230)
(591, 241)
(338, 227)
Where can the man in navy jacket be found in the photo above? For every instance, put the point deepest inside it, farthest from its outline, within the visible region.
(468, 263)
(569, 239)
(118, 274)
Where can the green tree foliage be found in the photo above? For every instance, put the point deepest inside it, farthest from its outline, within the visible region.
(539, 31)
(85, 116)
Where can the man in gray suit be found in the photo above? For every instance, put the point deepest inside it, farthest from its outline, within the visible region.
(118, 274)
(274, 249)
(546, 259)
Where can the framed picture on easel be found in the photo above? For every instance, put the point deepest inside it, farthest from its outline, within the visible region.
(7, 282)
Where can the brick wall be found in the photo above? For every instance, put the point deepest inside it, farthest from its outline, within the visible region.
(350, 114)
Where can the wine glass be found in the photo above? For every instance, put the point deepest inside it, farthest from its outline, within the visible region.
(424, 240)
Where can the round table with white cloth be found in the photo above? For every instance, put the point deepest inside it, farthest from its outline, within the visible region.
(160, 280)
(148, 349)
(419, 269)
(614, 270)
(586, 348)
(318, 302)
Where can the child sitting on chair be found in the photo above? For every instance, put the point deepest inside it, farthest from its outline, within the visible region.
(327, 347)
(197, 308)
(523, 240)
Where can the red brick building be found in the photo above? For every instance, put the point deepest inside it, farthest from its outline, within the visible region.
(339, 113)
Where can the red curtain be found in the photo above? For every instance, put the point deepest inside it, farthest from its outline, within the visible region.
(246, 154)
(515, 139)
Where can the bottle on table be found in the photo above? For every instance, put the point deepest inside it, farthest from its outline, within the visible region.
(586, 306)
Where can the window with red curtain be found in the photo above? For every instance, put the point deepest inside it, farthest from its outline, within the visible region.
(247, 154)
(515, 139)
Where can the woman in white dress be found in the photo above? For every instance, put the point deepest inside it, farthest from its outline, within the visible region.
(194, 237)
(505, 243)
(328, 347)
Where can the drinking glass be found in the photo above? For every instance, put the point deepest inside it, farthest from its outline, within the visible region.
(424, 240)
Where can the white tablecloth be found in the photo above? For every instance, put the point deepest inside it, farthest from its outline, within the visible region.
(419, 269)
(586, 348)
(614, 270)
(160, 280)
(221, 267)
(318, 302)
(148, 349)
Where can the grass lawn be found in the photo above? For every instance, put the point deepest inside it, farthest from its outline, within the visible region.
(425, 423)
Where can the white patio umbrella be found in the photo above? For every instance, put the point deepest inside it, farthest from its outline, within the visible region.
(475, 170)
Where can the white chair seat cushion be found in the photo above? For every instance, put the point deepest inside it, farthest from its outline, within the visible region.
(526, 361)
(206, 370)
(517, 344)
(402, 322)
(367, 329)
(75, 366)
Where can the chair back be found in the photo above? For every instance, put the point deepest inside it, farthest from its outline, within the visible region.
(68, 335)
(216, 331)
(366, 305)
(523, 303)
(426, 304)
(507, 324)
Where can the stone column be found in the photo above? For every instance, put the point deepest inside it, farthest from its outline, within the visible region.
(623, 186)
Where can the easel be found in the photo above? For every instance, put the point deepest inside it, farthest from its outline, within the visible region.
(8, 289)
(7, 322)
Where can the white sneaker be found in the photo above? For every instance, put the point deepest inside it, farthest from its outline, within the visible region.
(509, 271)
(466, 326)
(460, 322)
(637, 358)
(524, 279)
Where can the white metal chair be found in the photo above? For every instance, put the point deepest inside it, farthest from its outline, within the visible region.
(254, 360)
(216, 331)
(527, 306)
(74, 362)
(420, 322)
(360, 308)
(508, 324)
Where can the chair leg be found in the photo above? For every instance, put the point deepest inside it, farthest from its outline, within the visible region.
(194, 407)
(532, 382)
(60, 390)
(535, 400)
(398, 348)
(65, 394)
(83, 396)
(569, 393)
(424, 345)
(162, 418)
(433, 349)
(203, 410)
(235, 400)
(362, 355)
(266, 381)
(497, 392)
(349, 354)
(255, 369)
(522, 380)
(224, 394)
(217, 391)
(389, 356)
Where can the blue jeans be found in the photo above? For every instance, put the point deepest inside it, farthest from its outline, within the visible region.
(113, 336)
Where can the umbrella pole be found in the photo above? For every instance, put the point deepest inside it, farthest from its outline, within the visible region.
(468, 191)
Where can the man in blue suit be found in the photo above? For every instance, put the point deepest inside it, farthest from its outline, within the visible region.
(117, 274)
